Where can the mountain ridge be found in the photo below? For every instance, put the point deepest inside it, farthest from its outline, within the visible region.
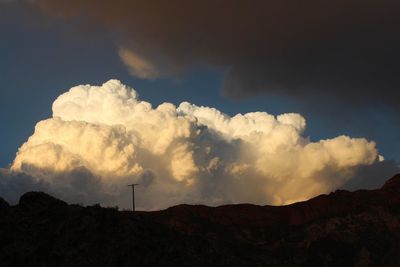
(360, 228)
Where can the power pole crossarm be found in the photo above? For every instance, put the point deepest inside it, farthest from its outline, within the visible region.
(133, 196)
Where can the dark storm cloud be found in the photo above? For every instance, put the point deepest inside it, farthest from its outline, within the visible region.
(343, 49)
(372, 176)
(76, 186)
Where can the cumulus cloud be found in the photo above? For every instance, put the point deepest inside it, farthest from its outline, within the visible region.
(102, 138)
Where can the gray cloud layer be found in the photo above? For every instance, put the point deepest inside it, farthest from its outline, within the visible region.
(342, 49)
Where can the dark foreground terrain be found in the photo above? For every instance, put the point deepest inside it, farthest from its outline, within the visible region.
(343, 228)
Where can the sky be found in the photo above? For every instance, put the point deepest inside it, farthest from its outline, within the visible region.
(333, 62)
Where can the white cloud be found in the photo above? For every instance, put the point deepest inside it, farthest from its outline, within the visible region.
(184, 154)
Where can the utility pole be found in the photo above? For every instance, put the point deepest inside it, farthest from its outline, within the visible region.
(133, 196)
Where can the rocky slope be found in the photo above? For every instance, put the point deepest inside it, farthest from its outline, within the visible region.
(343, 228)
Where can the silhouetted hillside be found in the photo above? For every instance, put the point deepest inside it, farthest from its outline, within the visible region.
(343, 228)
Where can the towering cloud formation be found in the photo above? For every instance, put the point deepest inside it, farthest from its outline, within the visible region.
(102, 137)
(306, 49)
